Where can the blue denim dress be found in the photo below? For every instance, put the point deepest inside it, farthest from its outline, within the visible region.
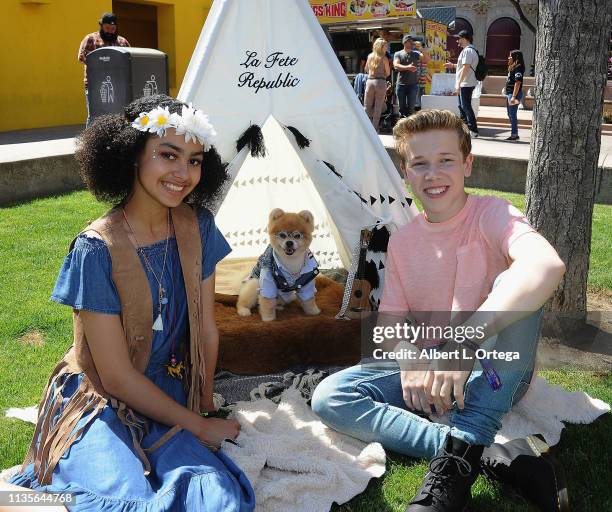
(102, 467)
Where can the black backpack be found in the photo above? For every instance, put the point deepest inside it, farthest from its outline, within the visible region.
(481, 70)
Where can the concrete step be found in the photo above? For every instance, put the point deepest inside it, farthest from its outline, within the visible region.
(498, 100)
(524, 123)
(606, 129)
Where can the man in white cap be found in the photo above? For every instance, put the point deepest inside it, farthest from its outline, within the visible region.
(465, 79)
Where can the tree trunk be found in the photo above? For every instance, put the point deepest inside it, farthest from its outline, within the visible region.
(571, 54)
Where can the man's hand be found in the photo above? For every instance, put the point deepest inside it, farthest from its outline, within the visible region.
(442, 385)
(449, 65)
(411, 67)
(413, 388)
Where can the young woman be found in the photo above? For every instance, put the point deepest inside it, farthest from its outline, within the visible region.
(514, 89)
(378, 69)
(120, 425)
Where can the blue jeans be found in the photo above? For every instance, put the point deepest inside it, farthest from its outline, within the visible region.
(406, 97)
(465, 108)
(367, 402)
(513, 111)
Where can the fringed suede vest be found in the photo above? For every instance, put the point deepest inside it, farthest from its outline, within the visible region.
(53, 436)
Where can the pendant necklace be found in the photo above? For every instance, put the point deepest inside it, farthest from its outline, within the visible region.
(162, 300)
(173, 367)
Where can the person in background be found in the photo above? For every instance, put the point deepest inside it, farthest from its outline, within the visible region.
(514, 89)
(465, 79)
(108, 35)
(378, 69)
(406, 63)
(421, 72)
(388, 37)
(359, 86)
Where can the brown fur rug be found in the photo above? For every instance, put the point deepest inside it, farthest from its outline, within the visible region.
(249, 346)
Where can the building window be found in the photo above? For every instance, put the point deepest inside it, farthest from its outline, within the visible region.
(503, 36)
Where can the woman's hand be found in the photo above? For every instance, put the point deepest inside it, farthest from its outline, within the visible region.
(214, 430)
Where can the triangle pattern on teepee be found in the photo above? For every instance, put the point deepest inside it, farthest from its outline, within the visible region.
(249, 207)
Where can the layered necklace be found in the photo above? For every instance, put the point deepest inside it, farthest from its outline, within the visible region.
(162, 298)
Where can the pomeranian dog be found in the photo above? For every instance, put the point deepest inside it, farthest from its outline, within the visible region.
(286, 270)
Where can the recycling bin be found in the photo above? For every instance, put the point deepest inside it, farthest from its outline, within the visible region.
(118, 75)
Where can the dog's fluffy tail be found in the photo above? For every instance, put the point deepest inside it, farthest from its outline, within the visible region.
(247, 298)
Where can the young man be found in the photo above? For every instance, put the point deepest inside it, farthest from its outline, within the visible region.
(108, 35)
(406, 62)
(462, 253)
(465, 79)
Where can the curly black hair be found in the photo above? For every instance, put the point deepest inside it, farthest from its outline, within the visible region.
(108, 150)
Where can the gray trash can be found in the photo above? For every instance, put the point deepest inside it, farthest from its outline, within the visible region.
(118, 75)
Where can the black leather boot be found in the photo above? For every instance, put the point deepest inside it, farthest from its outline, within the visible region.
(527, 465)
(447, 485)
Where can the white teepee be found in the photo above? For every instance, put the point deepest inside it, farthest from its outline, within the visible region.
(268, 63)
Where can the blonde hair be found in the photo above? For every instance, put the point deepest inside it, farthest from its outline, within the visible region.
(378, 52)
(427, 120)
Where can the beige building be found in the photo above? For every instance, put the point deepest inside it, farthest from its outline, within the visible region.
(497, 28)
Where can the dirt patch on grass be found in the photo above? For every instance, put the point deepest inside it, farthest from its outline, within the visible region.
(33, 338)
(599, 300)
(599, 307)
(590, 346)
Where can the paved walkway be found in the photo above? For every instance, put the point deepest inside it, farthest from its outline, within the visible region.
(492, 134)
(42, 142)
(37, 143)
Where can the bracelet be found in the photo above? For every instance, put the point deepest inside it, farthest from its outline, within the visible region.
(487, 368)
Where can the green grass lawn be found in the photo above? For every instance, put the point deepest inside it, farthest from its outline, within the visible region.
(35, 332)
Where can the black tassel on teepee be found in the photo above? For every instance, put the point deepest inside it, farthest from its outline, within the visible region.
(379, 240)
(371, 274)
(332, 169)
(252, 137)
(302, 141)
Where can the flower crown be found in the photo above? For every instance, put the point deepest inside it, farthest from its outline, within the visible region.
(191, 122)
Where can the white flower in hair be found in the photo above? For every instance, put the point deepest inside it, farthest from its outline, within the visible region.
(159, 121)
(195, 125)
(142, 122)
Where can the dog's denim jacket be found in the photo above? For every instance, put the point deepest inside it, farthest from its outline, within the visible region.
(275, 280)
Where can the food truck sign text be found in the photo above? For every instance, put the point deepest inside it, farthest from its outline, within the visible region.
(328, 11)
(331, 10)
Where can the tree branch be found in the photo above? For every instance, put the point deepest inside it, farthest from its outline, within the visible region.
(524, 19)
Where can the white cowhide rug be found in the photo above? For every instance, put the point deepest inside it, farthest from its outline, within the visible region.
(295, 462)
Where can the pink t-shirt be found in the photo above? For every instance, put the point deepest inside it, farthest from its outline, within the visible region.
(451, 265)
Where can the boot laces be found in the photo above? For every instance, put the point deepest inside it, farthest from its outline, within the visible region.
(441, 474)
